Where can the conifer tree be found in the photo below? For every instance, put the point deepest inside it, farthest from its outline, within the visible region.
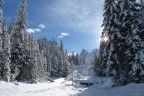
(121, 54)
(21, 18)
(5, 54)
(77, 59)
(12, 28)
(30, 59)
(135, 65)
(62, 46)
(1, 15)
(61, 60)
(18, 50)
(108, 54)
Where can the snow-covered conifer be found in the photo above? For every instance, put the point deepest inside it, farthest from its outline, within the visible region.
(12, 28)
(1, 15)
(18, 50)
(120, 54)
(5, 62)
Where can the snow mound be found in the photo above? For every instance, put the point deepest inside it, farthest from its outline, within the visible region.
(103, 87)
(108, 84)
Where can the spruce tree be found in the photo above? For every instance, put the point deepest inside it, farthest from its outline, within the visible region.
(63, 61)
(12, 28)
(1, 15)
(96, 65)
(53, 57)
(135, 41)
(121, 55)
(142, 3)
(130, 27)
(108, 54)
(37, 71)
(18, 51)
(5, 54)
(106, 24)
(21, 18)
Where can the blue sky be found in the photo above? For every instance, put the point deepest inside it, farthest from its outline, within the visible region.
(77, 21)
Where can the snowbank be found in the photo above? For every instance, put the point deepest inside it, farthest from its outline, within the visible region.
(107, 84)
(106, 89)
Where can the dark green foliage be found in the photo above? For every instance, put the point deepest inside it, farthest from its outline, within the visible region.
(122, 55)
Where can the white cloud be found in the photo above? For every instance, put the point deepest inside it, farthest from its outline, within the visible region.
(76, 15)
(80, 15)
(34, 30)
(63, 35)
(30, 30)
(37, 30)
(60, 36)
(42, 26)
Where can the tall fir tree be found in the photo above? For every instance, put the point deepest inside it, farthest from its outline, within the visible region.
(1, 16)
(142, 3)
(18, 50)
(135, 41)
(130, 26)
(21, 18)
(121, 54)
(61, 60)
(11, 28)
(108, 37)
(6, 53)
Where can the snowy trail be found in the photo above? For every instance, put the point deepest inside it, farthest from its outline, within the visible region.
(61, 88)
(56, 88)
(46, 87)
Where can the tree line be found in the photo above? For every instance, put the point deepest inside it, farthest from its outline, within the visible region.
(23, 57)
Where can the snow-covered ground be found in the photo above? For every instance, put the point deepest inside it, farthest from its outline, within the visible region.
(129, 90)
(102, 87)
(57, 88)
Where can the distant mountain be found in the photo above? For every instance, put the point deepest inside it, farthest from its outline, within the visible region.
(90, 56)
(71, 53)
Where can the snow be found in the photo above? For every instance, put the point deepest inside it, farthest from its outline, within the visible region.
(56, 88)
(101, 87)
(108, 84)
(129, 90)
